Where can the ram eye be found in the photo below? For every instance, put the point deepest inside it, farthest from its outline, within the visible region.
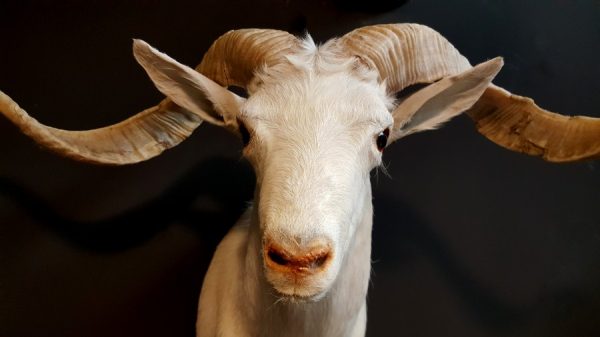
(244, 133)
(382, 139)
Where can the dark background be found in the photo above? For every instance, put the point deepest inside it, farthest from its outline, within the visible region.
(469, 239)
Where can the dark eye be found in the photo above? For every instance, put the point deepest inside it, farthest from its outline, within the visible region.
(382, 139)
(244, 133)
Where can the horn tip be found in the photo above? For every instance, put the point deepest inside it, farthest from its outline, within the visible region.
(498, 60)
(142, 50)
(139, 44)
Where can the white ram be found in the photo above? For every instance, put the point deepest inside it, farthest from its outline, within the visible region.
(315, 124)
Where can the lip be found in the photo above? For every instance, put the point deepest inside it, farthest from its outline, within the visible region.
(296, 298)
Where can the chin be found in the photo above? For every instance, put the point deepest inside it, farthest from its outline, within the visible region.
(300, 290)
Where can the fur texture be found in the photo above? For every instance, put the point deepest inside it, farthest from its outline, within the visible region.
(313, 121)
(312, 153)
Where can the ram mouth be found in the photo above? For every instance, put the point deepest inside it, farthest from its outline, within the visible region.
(283, 297)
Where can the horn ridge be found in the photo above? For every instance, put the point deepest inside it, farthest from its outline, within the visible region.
(518, 124)
(406, 54)
(233, 58)
(138, 138)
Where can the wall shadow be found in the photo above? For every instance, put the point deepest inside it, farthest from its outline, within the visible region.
(406, 235)
(201, 199)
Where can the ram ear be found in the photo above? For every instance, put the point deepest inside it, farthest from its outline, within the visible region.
(437, 103)
(187, 87)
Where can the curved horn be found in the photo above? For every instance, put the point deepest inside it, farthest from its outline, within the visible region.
(231, 60)
(135, 139)
(406, 54)
(233, 57)
(518, 124)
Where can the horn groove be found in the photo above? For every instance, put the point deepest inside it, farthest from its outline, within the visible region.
(234, 57)
(406, 54)
(231, 60)
(518, 124)
(135, 139)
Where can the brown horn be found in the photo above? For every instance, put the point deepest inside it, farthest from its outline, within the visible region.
(231, 60)
(518, 124)
(406, 54)
(233, 57)
(135, 139)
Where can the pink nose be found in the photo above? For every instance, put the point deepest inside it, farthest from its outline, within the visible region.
(305, 261)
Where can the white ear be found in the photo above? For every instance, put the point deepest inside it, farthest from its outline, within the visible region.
(437, 103)
(187, 87)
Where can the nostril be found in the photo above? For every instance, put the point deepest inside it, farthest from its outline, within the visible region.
(277, 257)
(320, 260)
(302, 261)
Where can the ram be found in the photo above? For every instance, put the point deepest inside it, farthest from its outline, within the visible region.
(315, 123)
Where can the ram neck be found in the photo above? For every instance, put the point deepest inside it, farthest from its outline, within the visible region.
(343, 302)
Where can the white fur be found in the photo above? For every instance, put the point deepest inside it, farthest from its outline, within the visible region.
(312, 153)
(314, 120)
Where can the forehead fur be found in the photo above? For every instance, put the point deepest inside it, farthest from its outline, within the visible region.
(316, 75)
